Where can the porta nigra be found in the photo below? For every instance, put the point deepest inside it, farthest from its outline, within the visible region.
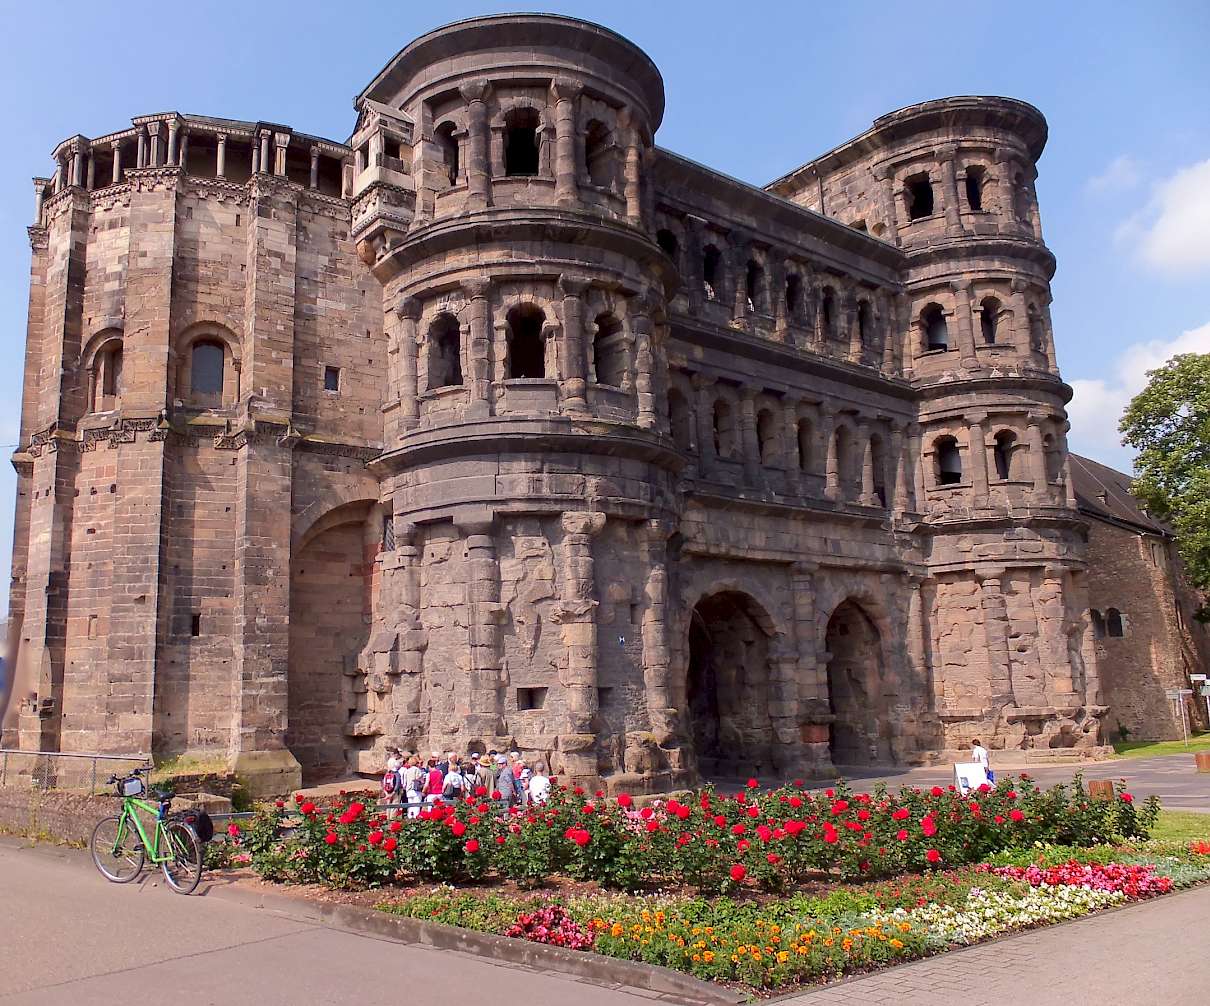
(499, 426)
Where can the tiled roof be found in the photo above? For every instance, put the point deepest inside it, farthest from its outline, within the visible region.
(1103, 493)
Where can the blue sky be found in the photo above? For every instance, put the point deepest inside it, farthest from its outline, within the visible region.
(753, 89)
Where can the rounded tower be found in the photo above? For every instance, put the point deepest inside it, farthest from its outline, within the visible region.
(501, 197)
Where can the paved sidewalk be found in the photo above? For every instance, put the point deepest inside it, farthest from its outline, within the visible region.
(1157, 952)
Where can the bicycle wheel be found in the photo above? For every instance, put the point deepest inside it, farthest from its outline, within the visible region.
(117, 850)
(183, 867)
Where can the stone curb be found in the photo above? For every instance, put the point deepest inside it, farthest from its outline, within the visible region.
(664, 983)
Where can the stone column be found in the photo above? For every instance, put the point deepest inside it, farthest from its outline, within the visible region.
(408, 312)
(811, 681)
(899, 497)
(484, 708)
(856, 346)
(117, 162)
(314, 182)
(738, 276)
(155, 157)
(962, 318)
(577, 614)
(886, 199)
(644, 359)
(1037, 455)
(750, 442)
(221, 165)
(183, 156)
(868, 497)
(657, 658)
(479, 352)
(632, 184)
(831, 489)
(478, 170)
(949, 182)
(173, 128)
(280, 142)
(916, 460)
(39, 199)
(141, 159)
(792, 455)
(1048, 337)
(995, 630)
(1068, 485)
(77, 168)
(917, 643)
(565, 93)
(573, 388)
(266, 165)
(704, 386)
(1006, 168)
(977, 450)
(1020, 310)
(692, 257)
(1050, 611)
(90, 173)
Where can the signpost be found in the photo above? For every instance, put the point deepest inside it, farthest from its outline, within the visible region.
(1177, 696)
(1205, 691)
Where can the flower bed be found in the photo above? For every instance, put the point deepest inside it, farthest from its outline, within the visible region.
(774, 840)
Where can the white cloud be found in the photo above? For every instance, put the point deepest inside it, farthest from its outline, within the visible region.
(1098, 404)
(1122, 173)
(1172, 232)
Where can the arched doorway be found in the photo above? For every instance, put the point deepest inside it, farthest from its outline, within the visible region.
(861, 730)
(329, 608)
(728, 686)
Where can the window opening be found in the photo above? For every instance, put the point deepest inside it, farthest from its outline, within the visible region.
(948, 461)
(521, 142)
(711, 271)
(918, 193)
(331, 378)
(206, 362)
(448, 143)
(526, 347)
(936, 335)
(445, 353)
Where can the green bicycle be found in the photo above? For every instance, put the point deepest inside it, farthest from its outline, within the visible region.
(120, 844)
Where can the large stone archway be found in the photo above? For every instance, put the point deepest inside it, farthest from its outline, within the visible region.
(861, 731)
(728, 686)
(329, 625)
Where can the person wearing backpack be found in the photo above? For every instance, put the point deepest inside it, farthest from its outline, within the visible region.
(413, 784)
(454, 785)
(392, 781)
(434, 782)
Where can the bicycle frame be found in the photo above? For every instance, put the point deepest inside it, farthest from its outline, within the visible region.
(129, 815)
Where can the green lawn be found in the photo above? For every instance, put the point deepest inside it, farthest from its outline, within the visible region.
(1145, 749)
(1181, 826)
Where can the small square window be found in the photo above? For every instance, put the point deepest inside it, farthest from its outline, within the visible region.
(531, 698)
(331, 378)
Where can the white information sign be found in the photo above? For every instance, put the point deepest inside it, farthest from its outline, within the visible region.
(969, 776)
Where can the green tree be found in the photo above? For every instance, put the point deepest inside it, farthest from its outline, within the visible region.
(1168, 422)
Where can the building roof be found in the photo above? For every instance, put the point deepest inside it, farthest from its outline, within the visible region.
(1103, 493)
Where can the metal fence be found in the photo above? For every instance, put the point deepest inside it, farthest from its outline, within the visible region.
(79, 771)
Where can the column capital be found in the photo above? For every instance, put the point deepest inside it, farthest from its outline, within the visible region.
(991, 573)
(475, 524)
(699, 381)
(475, 90)
(314, 151)
(976, 418)
(804, 568)
(574, 286)
(409, 308)
(658, 530)
(565, 89)
(477, 287)
(946, 152)
(748, 393)
(583, 522)
(959, 285)
(281, 139)
(221, 137)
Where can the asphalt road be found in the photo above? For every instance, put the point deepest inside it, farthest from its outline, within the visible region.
(67, 936)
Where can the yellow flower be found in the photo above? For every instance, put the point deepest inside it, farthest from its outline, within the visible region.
(616, 930)
(696, 958)
(897, 944)
(710, 930)
(828, 942)
(782, 957)
(645, 915)
(734, 959)
(905, 927)
(708, 956)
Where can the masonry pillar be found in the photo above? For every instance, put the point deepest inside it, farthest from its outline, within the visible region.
(706, 453)
(1006, 169)
(478, 169)
(577, 614)
(949, 182)
(314, 179)
(1050, 610)
(155, 157)
(173, 128)
(886, 201)
(565, 93)
(657, 660)
(141, 159)
(694, 282)
(917, 644)
(90, 173)
(794, 461)
(221, 165)
(1082, 654)
(977, 449)
(117, 163)
(995, 630)
(183, 156)
(479, 352)
(408, 313)
(644, 359)
(868, 482)
(1020, 313)
(1037, 457)
(831, 489)
(856, 343)
(573, 387)
(1069, 487)
(77, 168)
(266, 166)
(483, 714)
(750, 441)
(632, 186)
(962, 317)
(899, 498)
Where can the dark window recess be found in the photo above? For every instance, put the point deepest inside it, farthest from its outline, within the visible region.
(206, 369)
(1115, 625)
(444, 135)
(526, 348)
(827, 312)
(712, 260)
(195, 624)
(989, 314)
(936, 334)
(1003, 451)
(667, 242)
(949, 462)
(754, 285)
(388, 533)
(793, 294)
(863, 322)
(598, 154)
(445, 353)
(974, 188)
(1098, 624)
(331, 378)
(918, 194)
(604, 696)
(521, 142)
(390, 147)
(531, 698)
(609, 351)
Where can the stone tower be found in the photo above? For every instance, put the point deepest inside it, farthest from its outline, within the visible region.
(499, 426)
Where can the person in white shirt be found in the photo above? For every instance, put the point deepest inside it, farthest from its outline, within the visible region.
(979, 757)
(539, 784)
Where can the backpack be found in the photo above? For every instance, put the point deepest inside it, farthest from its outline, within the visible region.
(453, 785)
(199, 821)
(390, 783)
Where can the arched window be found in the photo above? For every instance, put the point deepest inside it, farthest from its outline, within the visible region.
(444, 135)
(526, 347)
(878, 461)
(724, 428)
(680, 419)
(975, 176)
(521, 142)
(805, 440)
(932, 323)
(1115, 623)
(107, 377)
(918, 196)
(667, 242)
(207, 365)
(1006, 442)
(609, 351)
(947, 461)
(1098, 623)
(754, 286)
(863, 322)
(445, 352)
(598, 154)
(989, 319)
(766, 436)
(712, 271)
(793, 295)
(827, 312)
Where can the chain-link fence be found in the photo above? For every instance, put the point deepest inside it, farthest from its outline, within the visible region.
(76, 771)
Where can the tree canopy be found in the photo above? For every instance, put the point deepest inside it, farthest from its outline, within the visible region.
(1168, 422)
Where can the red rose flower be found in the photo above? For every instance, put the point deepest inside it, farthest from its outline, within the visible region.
(738, 829)
(624, 800)
(720, 821)
(764, 831)
(738, 872)
(830, 834)
(331, 838)
(480, 791)
(839, 807)
(495, 794)
(375, 837)
(1127, 798)
(794, 827)
(929, 827)
(279, 804)
(499, 839)
(754, 811)
(1016, 815)
(902, 834)
(389, 844)
(795, 802)
(646, 813)
(999, 819)
(901, 814)
(752, 784)
(458, 828)
(298, 798)
(233, 830)
(742, 845)
(307, 808)
(472, 845)
(653, 827)
(580, 837)
(773, 858)
(863, 815)
(933, 856)
(937, 791)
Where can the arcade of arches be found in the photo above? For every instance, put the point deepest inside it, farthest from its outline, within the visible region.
(861, 730)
